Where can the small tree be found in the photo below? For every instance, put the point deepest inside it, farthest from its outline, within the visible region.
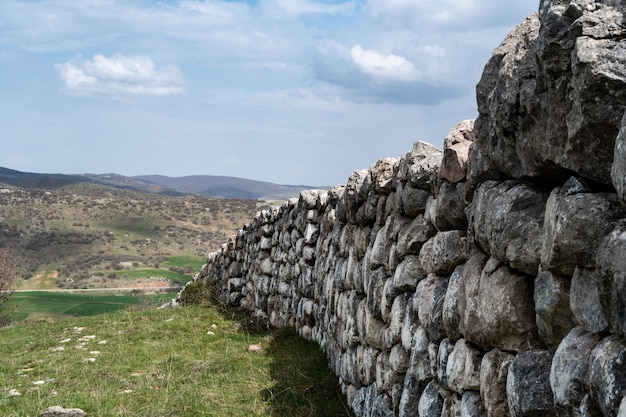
(8, 278)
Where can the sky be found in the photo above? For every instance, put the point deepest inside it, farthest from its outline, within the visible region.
(287, 91)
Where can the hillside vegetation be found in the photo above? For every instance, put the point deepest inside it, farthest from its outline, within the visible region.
(92, 236)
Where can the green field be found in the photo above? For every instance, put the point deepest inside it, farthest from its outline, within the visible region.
(184, 362)
(40, 305)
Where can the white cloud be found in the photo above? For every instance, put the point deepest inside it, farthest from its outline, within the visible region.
(120, 75)
(390, 66)
(291, 8)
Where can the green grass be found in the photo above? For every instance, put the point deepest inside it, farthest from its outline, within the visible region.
(182, 261)
(155, 273)
(44, 304)
(174, 362)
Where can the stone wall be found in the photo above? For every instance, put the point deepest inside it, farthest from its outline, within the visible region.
(485, 280)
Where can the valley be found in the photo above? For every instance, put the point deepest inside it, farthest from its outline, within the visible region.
(93, 236)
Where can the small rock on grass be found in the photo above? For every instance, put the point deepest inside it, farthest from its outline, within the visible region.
(57, 411)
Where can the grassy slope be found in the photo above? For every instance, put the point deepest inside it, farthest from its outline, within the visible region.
(184, 362)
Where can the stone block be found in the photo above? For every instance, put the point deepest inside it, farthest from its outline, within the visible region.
(494, 369)
(496, 306)
(528, 385)
(568, 372)
(607, 374)
(463, 367)
(507, 222)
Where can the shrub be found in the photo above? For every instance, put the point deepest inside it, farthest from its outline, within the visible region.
(8, 278)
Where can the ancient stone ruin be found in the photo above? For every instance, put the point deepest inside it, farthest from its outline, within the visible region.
(485, 280)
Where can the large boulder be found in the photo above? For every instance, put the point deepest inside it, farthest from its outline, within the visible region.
(507, 221)
(496, 306)
(551, 98)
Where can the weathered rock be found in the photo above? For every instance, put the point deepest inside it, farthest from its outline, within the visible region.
(382, 173)
(436, 331)
(585, 302)
(445, 349)
(496, 306)
(413, 236)
(447, 211)
(420, 364)
(408, 274)
(471, 405)
(507, 221)
(607, 374)
(451, 405)
(540, 84)
(443, 252)
(463, 368)
(528, 385)
(412, 200)
(423, 172)
(456, 152)
(552, 305)
(494, 369)
(411, 393)
(576, 221)
(57, 411)
(568, 373)
(618, 170)
(431, 402)
(450, 313)
(612, 273)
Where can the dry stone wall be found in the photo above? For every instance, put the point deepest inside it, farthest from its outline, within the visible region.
(485, 280)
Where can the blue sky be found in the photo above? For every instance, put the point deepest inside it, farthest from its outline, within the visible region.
(287, 91)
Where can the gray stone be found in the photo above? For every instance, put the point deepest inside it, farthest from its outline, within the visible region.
(494, 369)
(568, 373)
(450, 314)
(411, 392)
(431, 402)
(463, 367)
(413, 200)
(413, 236)
(564, 80)
(496, 306)
(436, 331)
(57, 411)
(552, 304)
(507, 221)
(382, 173)
(607, 374)
(575, 224)
(443, 252)
(456, 152)
(448, 210)
(528, 385)
(451, 405)
(611, 268)
(618, 170)
(420, 363)
(471, 405)
(408, 274)
(445, 349)
(585, 300)
(425, 168)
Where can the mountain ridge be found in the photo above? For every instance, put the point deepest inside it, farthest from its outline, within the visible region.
(207, 185)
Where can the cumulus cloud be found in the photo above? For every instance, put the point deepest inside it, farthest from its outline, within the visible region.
(390, 66)
(120, 75)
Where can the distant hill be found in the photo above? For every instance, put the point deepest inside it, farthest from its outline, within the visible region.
(32, 180)
(206, 185)
(226, 187)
